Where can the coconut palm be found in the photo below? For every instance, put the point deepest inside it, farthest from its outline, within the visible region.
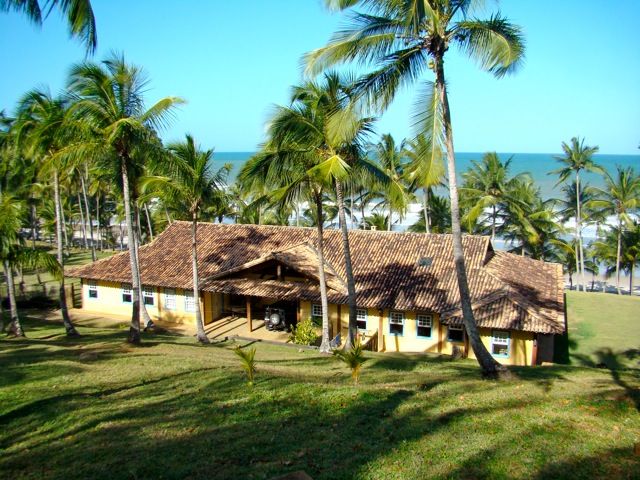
(426, 171)
(192, 182)
(324, 127)
(487, 185)
(79, 13)
(620, 197)
(43, 131)
(439, 216)
(401, 41)
(620, 251)
(14, 254)
(109, 99)
(577, 157)
(392, 160)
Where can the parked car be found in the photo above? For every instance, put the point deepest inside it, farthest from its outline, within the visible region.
(276, 319)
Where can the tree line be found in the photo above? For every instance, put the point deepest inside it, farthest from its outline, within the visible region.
(94, 154)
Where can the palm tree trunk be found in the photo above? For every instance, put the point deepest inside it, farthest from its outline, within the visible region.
(425, 200)
(201, 335)
(146, 211)
(493, 222)
(580, 271)
(166, 212)
(389, 222)
(62, 294)
(15, 327)
(1, 315)
(325, 346)
(64, 224)
(619, 251)
(489, 366)
(88, 213)
(134, 330)
(144, 313)
(351, 284)
(100, 245)
(83, 225)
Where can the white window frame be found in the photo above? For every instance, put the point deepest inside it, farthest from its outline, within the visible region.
(127, 290)
(396, 318)
(148, 292)
(361, 316)
(316, 310)
(501, 340)
(92, 288)
(456, 328)
(169, 298)
(427, 321)
(189, 301)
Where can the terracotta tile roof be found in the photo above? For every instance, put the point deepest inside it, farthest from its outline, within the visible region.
(404, 271)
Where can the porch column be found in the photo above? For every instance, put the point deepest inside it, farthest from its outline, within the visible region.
(380, 332)
(249, 322)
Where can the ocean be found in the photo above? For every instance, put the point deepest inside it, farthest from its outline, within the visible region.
(538, 165)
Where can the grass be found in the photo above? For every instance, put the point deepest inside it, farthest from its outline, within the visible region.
(604, 329)
(95, 407)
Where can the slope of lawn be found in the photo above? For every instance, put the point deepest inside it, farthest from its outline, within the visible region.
(97, 408)
(604, 329)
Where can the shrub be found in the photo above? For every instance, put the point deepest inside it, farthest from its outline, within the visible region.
(354, 359)
(304, 333)
(247, 362)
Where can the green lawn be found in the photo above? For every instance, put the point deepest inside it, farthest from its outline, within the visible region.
(604, 329)
(97, 408)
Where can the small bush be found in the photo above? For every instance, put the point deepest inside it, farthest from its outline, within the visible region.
(247, 362)
(354, 359)
(304, 334)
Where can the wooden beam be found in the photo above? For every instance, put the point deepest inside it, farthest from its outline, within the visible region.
(534, 351)
(249, 322)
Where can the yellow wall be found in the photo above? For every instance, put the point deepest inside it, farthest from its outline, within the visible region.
(409, 340)
(110, 301)
(520, 347)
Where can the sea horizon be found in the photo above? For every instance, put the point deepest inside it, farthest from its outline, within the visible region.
(537, 165)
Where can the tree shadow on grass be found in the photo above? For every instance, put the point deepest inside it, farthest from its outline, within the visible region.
(606, 358)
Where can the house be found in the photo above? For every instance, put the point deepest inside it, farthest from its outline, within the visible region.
(407, 292)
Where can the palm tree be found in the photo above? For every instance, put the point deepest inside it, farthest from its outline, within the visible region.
(533, 227)
(620, 197)
(426, 171)
(403, 40)
(43, 130)
(191, 182)
(439, 216)
(323, 126)
(577, 157)
(487, 184)
(109, 98)
(79, 13)
(392, 161)
(14, 254)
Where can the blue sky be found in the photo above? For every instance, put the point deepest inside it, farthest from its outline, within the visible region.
(233, 60)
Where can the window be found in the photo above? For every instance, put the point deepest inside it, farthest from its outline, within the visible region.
(316, 313)
(500, 343)
(148, 296)
(396, 323)
(170, 298)
(93, 289)
(424, 323)
(127, 294)
(455, 333)
(361, 318)
(189, 303)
